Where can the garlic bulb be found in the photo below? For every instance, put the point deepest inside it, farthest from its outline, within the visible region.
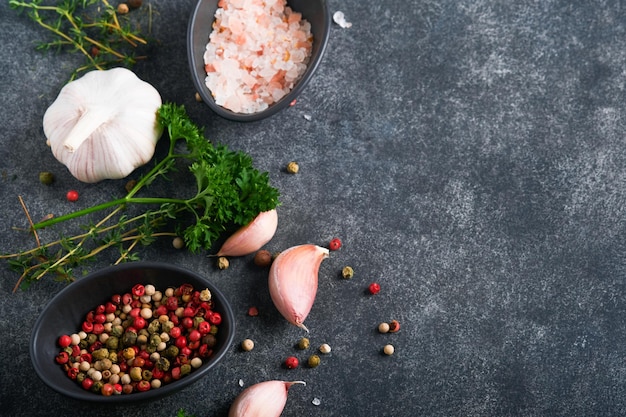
(104, 124)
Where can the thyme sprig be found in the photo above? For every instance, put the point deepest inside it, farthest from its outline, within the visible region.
(91, 27)
(229, 192)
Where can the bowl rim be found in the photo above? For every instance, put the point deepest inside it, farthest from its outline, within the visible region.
(225, 310)
(205, 94)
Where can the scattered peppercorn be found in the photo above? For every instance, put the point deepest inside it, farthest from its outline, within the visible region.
(122, 8)
(135, 4)
(253, 311)
(314, 361)
(178, 242)
(383, 327)
(72, 195)
(347, 272)
(46, 178)
(222, 262)
(130, 184)
(394, 326)
(335, 244)
(374, 288)
(198, 97)
(291, 362)
(293, 102)
(388, 350)
(324, 348)
(292, 167)
(247, 345)
(263, 258)
(304, 343)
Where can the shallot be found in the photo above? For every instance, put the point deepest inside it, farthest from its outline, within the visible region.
(293, 281)
(265, 399)
(251, 237)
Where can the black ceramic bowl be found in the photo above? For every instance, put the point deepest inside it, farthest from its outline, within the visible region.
(200, 27)
(65, 313)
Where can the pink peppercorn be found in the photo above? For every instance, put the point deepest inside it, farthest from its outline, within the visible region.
(72, 195)
(291, 362)
(374, 288)
(334, 244)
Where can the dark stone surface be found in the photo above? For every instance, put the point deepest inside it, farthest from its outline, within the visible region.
(471, 156)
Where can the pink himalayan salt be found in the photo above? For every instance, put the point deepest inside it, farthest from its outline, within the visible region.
(257, 51)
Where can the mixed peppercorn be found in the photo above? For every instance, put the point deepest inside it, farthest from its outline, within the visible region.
(141, 340)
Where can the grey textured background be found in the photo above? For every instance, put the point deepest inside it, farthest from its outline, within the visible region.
(470, 154)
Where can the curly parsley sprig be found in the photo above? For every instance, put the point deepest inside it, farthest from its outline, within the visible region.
(229, 192)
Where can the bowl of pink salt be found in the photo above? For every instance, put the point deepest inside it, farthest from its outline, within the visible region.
(249, 59)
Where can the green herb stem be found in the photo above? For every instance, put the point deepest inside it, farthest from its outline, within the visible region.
(229, 192)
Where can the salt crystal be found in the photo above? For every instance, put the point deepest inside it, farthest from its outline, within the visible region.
(316, 401)
(241, 382)
(340, 19)
(257, 52)
(308, 117)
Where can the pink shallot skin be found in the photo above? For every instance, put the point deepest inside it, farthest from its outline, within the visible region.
(293, 280)
(251, 237)
(265, 399)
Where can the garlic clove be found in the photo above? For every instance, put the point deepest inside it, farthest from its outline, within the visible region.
(265, 399)
(251, 237)
(293, 281)
(104, 124)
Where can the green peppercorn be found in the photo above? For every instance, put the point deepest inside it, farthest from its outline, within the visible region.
(91, 338)
(197, 320)
(304, 343)
(97, 387)
(347, 272)
(146, 375)
(167, 326)
(142, 339)
(213, 330)
(112, 343)
(163, 364)
(314, 361)
(80, 377)
(46, 178)
(155, 339)
(154, 327)
(185, 369)
(100, 354)
(135, 373)
(171, 351)
(129, 339)
(117, 331)
(113, 356)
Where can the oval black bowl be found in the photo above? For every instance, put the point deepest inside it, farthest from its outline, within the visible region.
(65, 313)
(199, 29)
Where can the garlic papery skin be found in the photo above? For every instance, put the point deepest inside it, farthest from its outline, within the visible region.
(104, 124)
(265, 399)
(293, 281)
(251, 237)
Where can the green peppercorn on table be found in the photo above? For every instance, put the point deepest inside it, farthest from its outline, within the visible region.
(471, 158)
